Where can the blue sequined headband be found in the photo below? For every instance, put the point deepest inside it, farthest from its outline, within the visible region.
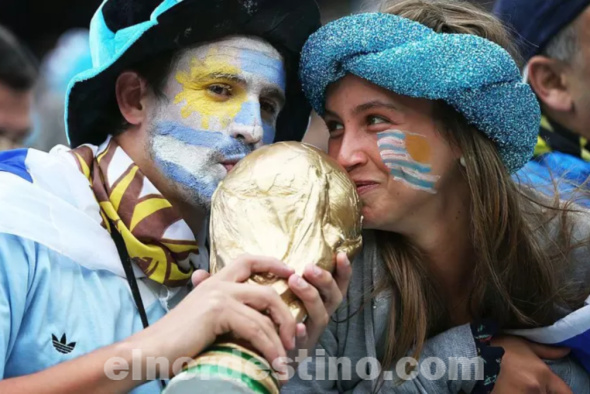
(475, 76)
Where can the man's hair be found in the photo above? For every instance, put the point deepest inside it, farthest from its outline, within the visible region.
(564, 45)
(18, 67)
(155, 72)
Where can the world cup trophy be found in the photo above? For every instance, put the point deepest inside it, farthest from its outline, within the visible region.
(289, 201)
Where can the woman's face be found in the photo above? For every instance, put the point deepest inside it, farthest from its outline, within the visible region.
(404, 170)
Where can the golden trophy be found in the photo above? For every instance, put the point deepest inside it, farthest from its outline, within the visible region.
(289, 201)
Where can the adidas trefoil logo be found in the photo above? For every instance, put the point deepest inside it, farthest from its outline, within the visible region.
(61, 345)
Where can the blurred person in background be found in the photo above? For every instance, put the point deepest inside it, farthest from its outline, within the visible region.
(70, 56)
(18, 73)
(554, 39)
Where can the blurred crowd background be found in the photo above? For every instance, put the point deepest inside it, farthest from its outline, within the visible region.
(41, 50)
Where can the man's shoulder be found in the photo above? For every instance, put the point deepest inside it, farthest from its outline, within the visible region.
(45, 199)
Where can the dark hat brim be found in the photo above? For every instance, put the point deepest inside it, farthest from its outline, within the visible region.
(285, 24)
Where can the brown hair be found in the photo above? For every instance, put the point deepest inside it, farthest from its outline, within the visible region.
(519, 260)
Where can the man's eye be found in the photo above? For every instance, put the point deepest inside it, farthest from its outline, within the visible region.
(221, 90)
(268, 107)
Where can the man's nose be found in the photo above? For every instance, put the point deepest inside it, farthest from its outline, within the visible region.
(247, 125)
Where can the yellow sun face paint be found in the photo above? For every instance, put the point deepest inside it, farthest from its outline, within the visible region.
(418, 148)
(199, 99)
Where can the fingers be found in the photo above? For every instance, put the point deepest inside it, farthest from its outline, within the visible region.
(246, 265)
(332, 288)
(343, 272)
(258, 330)
(199, 276)
(317, 313)
(266, 299)
(548, 352)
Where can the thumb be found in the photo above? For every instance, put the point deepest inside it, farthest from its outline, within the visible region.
(549, 352)
(199, 276)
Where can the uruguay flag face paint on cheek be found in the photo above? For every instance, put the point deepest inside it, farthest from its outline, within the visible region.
(407, 155)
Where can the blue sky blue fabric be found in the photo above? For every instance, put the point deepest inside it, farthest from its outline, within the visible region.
(475, 76)
(13, 161)
(43, 293)
(535, 22)
(568, 171)
(579, 348)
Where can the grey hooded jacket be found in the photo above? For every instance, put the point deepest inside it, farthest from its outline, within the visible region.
(357, 336)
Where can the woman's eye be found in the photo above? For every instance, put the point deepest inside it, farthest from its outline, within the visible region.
(334, 126)
(221, 90)
(376, 120)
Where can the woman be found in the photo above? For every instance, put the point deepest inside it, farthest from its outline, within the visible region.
(431, 126)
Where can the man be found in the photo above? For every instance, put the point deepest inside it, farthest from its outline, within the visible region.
(99, 242)
(18, 73)
(554, 38)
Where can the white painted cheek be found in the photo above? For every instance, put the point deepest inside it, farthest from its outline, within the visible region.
(196, 160)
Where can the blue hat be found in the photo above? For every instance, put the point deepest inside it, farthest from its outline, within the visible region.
(537, 21)
(475, 76)
(125, 32)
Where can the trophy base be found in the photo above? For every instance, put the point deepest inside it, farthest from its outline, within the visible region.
(225, 368)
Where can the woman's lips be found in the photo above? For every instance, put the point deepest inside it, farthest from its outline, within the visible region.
(363, 187)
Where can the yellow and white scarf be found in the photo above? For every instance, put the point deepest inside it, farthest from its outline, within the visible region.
(157, 239)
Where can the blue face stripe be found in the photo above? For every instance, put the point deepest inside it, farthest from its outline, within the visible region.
(269, 133)
(227, 146)
(394, 134)
(204, 188)
(411, 165)
(394, 148)
(249, 114)
(411, 179)
(13, 161)
(272, 70)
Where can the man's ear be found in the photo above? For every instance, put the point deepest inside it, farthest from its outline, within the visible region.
(548, 79)
(131, 91)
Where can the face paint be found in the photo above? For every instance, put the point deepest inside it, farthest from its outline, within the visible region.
(226, 83)
(192, 159)
(407, 156)
(221, 91)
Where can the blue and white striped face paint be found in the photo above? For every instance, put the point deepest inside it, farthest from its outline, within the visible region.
(408, 155)
(225, 98)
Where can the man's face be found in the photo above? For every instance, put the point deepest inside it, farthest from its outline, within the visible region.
(223, 101)
(15, 119)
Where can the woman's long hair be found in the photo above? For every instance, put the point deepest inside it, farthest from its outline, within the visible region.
(520, 240)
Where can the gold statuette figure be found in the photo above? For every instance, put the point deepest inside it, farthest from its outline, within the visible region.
(289, 201)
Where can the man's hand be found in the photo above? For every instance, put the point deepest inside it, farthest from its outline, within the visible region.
(523, 371)
(223, 304)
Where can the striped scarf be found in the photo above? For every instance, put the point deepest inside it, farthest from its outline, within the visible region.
(553, 137)
(157, 239)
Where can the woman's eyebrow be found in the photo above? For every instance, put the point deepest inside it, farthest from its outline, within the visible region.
(332, 114)
(372, 105)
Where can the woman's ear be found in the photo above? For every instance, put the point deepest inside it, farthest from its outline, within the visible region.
(549, 81)
(130, 90)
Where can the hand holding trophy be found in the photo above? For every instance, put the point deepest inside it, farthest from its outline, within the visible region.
(289, 201)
